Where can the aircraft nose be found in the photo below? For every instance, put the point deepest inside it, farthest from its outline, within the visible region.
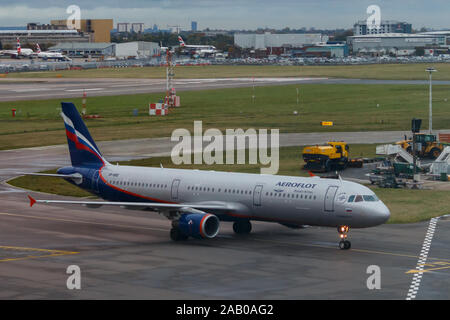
(381, 213)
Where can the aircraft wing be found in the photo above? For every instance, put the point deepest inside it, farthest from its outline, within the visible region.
(183, 207)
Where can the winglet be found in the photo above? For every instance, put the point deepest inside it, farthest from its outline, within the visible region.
(311, 174)
(32, 200)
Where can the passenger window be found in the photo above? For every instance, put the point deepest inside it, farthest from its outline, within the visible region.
(359, 198)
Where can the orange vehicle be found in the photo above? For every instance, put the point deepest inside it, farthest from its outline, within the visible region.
(426, 144)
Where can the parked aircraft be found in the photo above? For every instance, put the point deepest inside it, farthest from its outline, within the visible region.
(197, 48)
(19, 52)
(46, 55)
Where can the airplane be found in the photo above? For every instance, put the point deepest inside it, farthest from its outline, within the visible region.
(195, 201)
(199, 49)
(18, 52)
(45, 55)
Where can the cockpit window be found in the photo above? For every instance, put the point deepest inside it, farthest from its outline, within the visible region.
(359, 198)
(351, 198)
(371, 198)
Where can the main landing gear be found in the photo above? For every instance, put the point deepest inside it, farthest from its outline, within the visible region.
(177, 235)
(344, 244)
(242, 227)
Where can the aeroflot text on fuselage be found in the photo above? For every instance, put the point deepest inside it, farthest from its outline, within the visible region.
(296, 185)
(235, 142)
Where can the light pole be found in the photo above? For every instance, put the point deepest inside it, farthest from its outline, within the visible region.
(430, 116)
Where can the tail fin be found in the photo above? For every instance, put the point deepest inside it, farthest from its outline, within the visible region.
(18, 46)
(38, 48)
(83, 150)
(180, 39)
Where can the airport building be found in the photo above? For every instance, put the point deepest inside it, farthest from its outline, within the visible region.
(323, 50)
(386, 26)
(269, 40)
(85, 50)
(396, 43)
(137, 49)
(43, 37)
(100, 29)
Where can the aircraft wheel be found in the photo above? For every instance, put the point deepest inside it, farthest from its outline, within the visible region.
(242, 227)
(345, 245)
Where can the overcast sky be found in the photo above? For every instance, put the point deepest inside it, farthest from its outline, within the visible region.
(231, 14)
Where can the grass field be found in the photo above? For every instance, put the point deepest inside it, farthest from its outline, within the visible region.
(350, 107)
(406, 206)
(381, 71)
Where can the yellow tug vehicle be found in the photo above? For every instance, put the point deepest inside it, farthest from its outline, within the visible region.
(324, 158)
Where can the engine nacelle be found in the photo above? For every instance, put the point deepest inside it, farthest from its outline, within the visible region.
(199, 225)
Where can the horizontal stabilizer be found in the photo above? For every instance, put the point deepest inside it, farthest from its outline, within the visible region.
(76, 177)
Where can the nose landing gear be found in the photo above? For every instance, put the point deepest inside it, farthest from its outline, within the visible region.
(344, 244)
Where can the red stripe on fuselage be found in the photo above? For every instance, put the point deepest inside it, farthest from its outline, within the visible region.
(131, 193)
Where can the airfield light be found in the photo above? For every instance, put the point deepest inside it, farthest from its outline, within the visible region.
(430, 116)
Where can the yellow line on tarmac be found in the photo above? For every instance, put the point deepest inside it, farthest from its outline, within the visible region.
(52, 253)
(351, 250)
(426, 270)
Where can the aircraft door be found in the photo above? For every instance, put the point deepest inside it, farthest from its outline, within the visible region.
(257, 195)
(329, 198)
(175, 185)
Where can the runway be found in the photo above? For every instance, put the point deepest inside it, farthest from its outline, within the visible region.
(125, 254)
(51, 88)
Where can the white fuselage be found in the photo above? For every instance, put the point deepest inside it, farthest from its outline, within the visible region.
(283, 199)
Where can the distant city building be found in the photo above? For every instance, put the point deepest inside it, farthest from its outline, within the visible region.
(194, 26)
(137, 27)
(386, 26)
(269, 40)
(123, 27)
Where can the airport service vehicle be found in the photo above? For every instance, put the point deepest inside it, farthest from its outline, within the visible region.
(332, 156)
(195, 201)
(426, 144)
(199, 49)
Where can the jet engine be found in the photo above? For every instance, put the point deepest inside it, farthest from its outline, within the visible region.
(199, 225)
